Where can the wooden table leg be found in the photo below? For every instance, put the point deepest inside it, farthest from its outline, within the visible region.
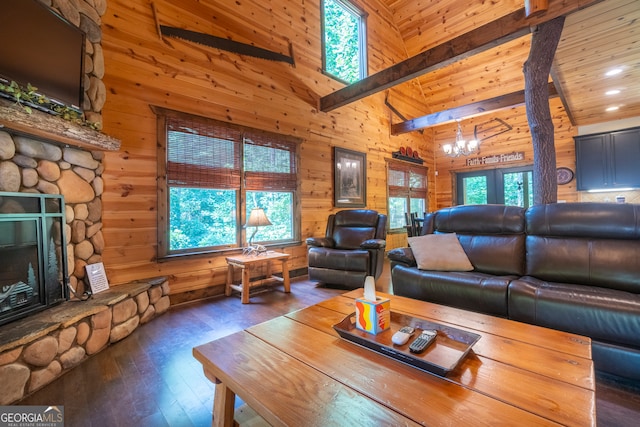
(285, 275)
(223, 406)
(227, 288)
(268, 270)
(245, 284)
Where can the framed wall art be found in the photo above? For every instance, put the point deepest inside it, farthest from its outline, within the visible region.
(350, 178)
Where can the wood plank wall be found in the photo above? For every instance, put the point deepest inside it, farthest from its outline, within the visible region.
(143, 70)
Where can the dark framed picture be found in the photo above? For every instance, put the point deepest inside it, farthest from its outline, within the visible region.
(349, 178)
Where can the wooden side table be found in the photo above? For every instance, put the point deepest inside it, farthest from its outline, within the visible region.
(244, 262)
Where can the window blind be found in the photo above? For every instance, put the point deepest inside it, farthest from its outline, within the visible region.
(202, 154)
(269, 162)
(406, 180)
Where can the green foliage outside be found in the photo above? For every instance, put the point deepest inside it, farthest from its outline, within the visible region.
(342, 56)
(397, 209)
(517, 189)
(475, 190)
(278, 206)
(514, 191)
(203, 218)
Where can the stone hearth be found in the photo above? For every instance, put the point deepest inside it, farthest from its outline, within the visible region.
(36, 350)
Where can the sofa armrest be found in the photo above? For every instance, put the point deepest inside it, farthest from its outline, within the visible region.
(321, 242)
(373, 244)
(403, 256)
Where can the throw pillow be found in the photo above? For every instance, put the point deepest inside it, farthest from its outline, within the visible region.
(439, 252)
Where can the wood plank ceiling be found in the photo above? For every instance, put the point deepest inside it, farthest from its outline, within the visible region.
(594, 40)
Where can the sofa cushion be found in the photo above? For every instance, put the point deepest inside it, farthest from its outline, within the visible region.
(495, 254)
(468, 290)
(492, 236)
(439, 252)
(606, 315)
(587, 243)
(337, 259)
(480, 219)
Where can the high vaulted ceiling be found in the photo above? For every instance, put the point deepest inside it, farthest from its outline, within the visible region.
(594, 40)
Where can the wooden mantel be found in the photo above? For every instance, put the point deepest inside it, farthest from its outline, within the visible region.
(52, 128)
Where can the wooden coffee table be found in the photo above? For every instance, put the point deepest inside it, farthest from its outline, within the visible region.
(295, 370)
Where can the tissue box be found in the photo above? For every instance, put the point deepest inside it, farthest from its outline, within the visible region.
(373, 317)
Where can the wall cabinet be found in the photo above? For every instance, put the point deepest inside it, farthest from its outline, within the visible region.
(608, 160)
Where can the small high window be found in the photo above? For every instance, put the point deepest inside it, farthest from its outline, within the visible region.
(344, 39)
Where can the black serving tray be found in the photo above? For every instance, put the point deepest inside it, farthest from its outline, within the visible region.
(443, 356)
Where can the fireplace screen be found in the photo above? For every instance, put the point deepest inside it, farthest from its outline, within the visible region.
(33, 273)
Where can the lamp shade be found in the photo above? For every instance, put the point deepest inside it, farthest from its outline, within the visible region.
(257, 218)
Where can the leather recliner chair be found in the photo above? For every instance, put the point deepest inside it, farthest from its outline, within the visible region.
(352, 249)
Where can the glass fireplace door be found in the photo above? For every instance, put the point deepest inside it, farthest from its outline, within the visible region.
(20, 272)
(33, 273)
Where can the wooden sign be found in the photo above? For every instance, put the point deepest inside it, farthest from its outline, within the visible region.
(495, 159)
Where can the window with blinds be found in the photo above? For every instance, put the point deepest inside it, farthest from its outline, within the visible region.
(407, 190)
(211, 174)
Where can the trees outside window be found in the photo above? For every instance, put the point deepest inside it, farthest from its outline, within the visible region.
(344, 41)
(510, 186)
(407, 189)
(211, 174)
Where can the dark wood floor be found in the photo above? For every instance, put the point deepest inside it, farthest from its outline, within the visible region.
(151, 378)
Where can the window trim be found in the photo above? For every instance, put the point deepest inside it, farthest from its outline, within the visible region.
(162, 252)
(362, 38)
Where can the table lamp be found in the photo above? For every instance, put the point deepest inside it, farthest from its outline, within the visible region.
(257, 218)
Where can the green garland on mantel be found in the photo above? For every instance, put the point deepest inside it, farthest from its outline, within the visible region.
(27, 97)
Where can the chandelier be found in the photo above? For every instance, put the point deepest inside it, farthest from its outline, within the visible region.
(461, 147)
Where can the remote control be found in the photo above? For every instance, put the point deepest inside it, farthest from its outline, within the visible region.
(423, 341)
(402, 336)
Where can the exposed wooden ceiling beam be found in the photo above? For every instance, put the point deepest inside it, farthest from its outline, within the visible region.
(563, 98)
(466, 111)
(533, 7)
(492, 34)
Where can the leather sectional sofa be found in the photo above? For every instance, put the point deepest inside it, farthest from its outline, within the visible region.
(573, 267)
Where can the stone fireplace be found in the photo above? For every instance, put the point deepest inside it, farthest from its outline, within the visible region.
(42, 154)
(34, 166)
(45, 155)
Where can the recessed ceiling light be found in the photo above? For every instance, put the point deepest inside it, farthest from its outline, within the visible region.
(612, 92)
(613, 72)
(612, 108)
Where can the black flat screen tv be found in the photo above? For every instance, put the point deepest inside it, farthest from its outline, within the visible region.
(41, 48)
